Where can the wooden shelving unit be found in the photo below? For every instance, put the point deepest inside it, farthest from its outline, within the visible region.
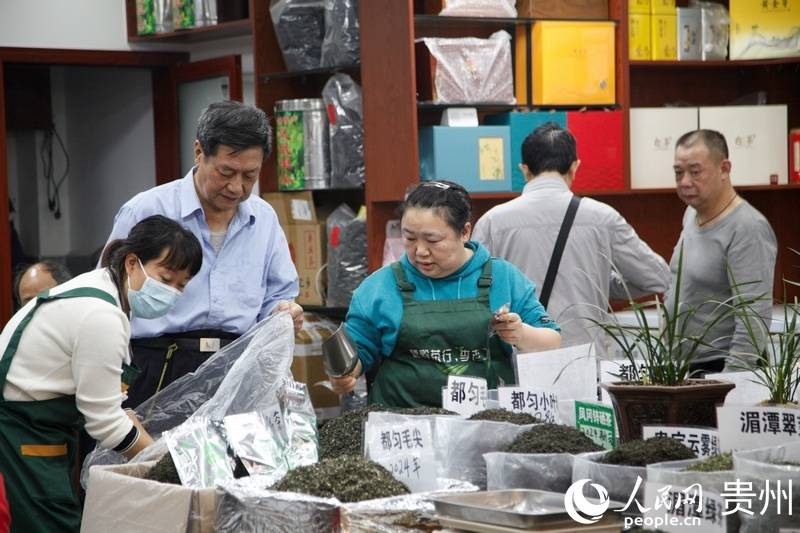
(233, 28)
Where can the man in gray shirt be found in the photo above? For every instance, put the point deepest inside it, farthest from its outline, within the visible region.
(725, 241)
(524, 230)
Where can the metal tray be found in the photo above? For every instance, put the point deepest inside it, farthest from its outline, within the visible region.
(519, 508)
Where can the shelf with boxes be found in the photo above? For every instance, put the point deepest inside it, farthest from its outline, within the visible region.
(186, 21)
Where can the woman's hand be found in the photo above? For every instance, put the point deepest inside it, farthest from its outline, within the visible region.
(346, 384)
(508, 327)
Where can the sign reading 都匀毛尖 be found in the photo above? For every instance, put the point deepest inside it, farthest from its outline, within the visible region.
(405, 449)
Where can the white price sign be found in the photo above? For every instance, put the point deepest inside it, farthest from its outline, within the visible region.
(464, 395)
(702, 441)
(406, 450)
(747, 391)
(680, 509)
(569, 372)
(540, 403)
(749, 427)
(618, 370)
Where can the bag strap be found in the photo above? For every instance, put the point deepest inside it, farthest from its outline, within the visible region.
(558, 250)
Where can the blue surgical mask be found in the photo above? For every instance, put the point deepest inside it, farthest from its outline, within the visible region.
(155, 299)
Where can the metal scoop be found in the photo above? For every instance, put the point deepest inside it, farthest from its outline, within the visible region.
(339, 353)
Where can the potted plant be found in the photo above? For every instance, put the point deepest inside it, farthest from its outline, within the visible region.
(664, 391)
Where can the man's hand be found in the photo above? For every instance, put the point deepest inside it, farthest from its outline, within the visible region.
(295, 310)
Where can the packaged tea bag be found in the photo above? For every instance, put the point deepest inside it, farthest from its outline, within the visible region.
(199, 450)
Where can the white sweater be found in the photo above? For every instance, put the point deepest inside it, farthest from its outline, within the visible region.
(75, 347)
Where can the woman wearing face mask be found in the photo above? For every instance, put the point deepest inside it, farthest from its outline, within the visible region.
(429, 315)
(65, 365)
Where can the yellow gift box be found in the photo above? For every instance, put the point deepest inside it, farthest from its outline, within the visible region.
(664, 37)
(639, 37)
(571, 63)
(761, 30)
(639, 6)
(662, 7)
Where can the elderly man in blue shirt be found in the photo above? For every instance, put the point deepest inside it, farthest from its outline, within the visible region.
(247, 270)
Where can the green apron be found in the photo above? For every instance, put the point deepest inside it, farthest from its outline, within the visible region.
(38, 444)
(438, 338)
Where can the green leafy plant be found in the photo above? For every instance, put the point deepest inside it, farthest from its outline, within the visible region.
(774, 358)
(668, 349)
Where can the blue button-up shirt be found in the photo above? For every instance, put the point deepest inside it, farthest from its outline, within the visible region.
(235, 288)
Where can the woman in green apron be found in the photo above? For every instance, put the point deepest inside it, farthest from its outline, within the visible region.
(65, 364)
(445, 308)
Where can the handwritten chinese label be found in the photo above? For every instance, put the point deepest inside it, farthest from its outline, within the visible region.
(702, 441)
(619, 370)
(464, 395)
(406, 450)
(540, 403)
(746, 428)
(596, 421)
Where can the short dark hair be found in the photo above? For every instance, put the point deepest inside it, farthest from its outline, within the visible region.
(712, 139)
(549, 148)
(57, 270)
(147, 240)
(451, 199)
(233, 124)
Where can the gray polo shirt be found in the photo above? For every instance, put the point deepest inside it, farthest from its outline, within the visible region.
(524, 232)
(743, 241)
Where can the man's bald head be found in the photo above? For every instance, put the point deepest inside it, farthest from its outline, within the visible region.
(38, 277)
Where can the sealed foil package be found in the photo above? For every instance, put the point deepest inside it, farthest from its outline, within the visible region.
(200, 453)
(259, 440)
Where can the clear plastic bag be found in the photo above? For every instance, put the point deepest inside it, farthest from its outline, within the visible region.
(460, 445)
(674, 473)
(245, 376)
(479, 8)
(300, 28)
(341, 43)
(342, 98)
(541, 471)
(258, 439)
(347, 255)
(758, 467)
(393, 248)
(472, 70)
(618, 480)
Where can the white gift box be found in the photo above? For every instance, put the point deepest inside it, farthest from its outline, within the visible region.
(653, 135)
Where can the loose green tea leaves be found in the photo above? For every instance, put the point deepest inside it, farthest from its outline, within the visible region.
(349, 478)
(164, 471)
(504, 415)
(716, 463)
(552, 438)
(645, 452)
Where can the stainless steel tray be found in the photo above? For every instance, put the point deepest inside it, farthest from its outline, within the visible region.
(519, 508)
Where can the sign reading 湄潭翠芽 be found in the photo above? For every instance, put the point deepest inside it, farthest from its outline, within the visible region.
(744, 427)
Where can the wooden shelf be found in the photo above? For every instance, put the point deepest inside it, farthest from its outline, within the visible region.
(438, 21)
(718, 64)
(500, 106)
(223, 30)
(313, 73)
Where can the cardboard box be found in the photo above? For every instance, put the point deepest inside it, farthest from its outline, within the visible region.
(572, 63)
(664, 36)
(119, 500)
(639, 6)
(477, 158)
(307, 246)
(639, 37)
(598, 135)
(688, 20)
(521, 125)
(662, 7)
(653, 135)
(764, 29)
(756, 138)
(292, 207)
(562, 9)
(307, 365)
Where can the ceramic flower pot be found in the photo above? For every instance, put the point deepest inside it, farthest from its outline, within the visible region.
(693, 404)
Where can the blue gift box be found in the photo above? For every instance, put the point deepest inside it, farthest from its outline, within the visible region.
(478, 158)
(522, 124)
